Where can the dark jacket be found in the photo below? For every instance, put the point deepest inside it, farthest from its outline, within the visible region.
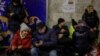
(65, 37)
(48, 38)
(19, 13)
(81, 37)
(91, 19)
(17, 18)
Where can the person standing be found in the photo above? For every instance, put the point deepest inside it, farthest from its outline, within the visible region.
(92, 20)
(16, 14)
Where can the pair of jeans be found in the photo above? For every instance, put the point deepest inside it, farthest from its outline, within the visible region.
(35, 52)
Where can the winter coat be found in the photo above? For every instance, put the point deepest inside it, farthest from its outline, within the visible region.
(25, 42)
(91, 19)
(19, 13)
(81, 37)
(48, 38)
(65, 37)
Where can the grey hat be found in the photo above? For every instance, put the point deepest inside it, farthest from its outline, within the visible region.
(23, 26)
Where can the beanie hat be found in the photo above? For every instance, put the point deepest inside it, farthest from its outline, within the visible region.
(23, 26)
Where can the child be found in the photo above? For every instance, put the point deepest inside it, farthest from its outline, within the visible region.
(21, 42)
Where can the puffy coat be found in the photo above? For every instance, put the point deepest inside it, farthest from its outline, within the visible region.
(91, 19)
(17, 41)
(81, 37)
(48, 38)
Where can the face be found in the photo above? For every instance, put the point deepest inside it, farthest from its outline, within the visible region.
(62, 24)
(90, 9)
(42, 30)
(25, 32)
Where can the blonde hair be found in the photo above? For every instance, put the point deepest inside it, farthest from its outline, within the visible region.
(89, 6)
(4, 19)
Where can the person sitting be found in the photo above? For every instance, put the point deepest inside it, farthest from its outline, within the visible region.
(81, 39)
(44, 40)
(21, 42)
(4, 32)
(33, 21)
(63, 40)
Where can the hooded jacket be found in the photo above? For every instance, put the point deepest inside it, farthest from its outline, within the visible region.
(18, 40)
(25, 42)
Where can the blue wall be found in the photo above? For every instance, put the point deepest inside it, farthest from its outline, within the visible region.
(36, 8)
(33, 7)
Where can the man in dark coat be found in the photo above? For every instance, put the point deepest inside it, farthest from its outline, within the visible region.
(81, 39)
(63, 40)
(44, 40)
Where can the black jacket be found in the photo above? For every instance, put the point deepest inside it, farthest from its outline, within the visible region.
(65, 39)
(19, 13)
(91, 19)
(81, 37)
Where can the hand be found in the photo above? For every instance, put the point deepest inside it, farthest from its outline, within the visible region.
(39, 43)
(62, 30)
(94, 28)
(31, 46)
(60, 36)
(11, 14)
(91, 30)
(19, 47)
(13, 47)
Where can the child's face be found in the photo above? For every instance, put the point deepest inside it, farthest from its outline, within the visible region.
(25, 32)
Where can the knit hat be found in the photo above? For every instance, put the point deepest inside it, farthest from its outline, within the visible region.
(23, 26)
